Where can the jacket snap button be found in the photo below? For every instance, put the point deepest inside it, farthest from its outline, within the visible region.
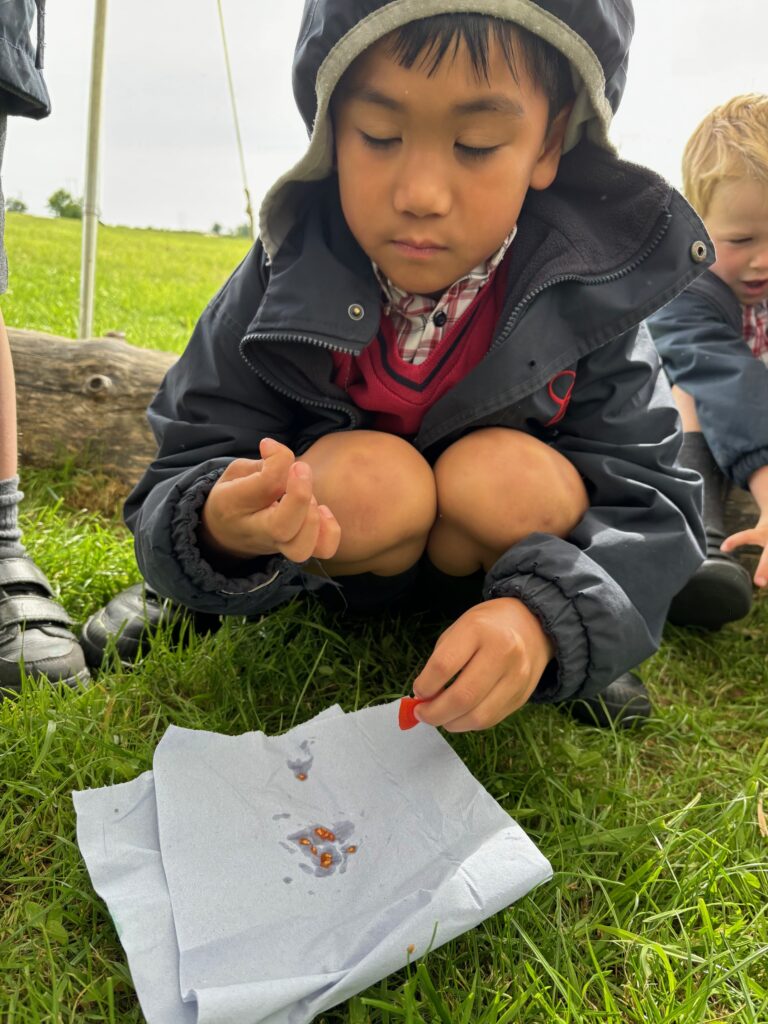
(698, 252)
(356, 312)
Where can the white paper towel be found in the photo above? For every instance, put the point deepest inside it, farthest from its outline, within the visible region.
(233, 909)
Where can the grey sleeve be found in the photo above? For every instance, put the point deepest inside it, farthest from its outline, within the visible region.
(705, 354)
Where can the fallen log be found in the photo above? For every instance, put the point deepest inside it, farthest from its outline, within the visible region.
(85, 401)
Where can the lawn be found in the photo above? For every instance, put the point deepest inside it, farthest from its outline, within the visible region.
(175, 272)
(658, 909)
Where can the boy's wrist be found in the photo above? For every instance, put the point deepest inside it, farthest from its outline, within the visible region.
(537, 631)
(224, 560)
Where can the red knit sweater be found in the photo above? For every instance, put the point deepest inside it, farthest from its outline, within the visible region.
(399, 393)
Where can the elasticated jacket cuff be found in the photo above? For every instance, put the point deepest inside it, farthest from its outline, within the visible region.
(743, 468)
(561, 622)
(596, 630)
(257, 573)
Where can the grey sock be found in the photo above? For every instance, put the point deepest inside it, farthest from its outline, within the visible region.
(10, 534)
(695, 454)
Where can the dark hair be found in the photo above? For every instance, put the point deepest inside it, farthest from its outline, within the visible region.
(432, 38)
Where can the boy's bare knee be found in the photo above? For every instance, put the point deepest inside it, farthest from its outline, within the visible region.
(380, 489)
(499, 485)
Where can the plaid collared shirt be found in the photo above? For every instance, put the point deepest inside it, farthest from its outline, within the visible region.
(420, 323)
(755, 325)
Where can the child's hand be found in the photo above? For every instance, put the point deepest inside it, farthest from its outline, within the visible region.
(497, 652)
(758, 536)
(265, 506)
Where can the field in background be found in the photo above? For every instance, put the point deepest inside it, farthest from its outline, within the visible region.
(151, 285)
(658, 909)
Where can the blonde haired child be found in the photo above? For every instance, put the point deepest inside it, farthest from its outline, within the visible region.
(713, 339)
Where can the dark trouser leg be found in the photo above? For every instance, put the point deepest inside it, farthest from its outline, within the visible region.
(720, 590)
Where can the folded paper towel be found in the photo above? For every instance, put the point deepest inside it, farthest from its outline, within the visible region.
(263, 879)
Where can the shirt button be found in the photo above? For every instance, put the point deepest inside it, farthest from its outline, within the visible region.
(440, 319)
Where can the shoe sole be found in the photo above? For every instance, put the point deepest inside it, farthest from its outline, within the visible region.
(81, 680)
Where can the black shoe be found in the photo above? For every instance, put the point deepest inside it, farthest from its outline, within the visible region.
(623, 704)
(129, 621)
(719, 591)
(35, 638)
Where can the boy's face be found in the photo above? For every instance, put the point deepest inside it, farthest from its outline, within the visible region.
(433, 169)
(737, 221)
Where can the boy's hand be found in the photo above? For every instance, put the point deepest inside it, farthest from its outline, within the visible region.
(266, 506)
(497, 652)
(758, 536)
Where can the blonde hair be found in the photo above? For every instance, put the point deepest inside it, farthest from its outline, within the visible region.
(731, 142)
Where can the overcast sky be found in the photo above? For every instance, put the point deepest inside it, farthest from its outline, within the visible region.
(168, 145)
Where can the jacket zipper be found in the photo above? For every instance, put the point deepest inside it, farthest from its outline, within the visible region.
(347, 410)
(615, 275)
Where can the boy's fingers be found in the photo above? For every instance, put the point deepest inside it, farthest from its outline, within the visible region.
(265, 483)
(450, 655)
(462, 698)
(302, 546)
(318, 538)
(731, 542)
(240, 468)
(756, 537)
(269, 447)
(284, 519)
(329, 537)
(741, 539)
(277, 461)
(500, 702)
(761, 573)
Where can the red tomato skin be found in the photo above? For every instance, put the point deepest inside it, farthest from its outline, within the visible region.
(406, 718)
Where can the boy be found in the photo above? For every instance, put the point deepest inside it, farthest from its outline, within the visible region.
(713, 340)
(34, 629)
(431, 363)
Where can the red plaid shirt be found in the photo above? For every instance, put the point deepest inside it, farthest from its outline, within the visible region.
(755, 325)
(420, 322)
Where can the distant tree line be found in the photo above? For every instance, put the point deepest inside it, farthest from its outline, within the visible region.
(241, 231)
(62, 203)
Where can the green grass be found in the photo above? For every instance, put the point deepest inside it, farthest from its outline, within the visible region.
(150, 285)
(658, 910)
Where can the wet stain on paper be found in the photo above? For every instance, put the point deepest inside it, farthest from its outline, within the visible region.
(327, 850)
(300, 765)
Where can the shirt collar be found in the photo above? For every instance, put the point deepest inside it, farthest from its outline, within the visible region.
(404, 302)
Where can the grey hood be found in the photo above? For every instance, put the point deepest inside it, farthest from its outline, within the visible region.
(593, 34)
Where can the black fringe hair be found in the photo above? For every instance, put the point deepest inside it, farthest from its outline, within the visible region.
(429, 40)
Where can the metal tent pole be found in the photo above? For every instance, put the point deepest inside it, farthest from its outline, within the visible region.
(90, 203)
(248, 206)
